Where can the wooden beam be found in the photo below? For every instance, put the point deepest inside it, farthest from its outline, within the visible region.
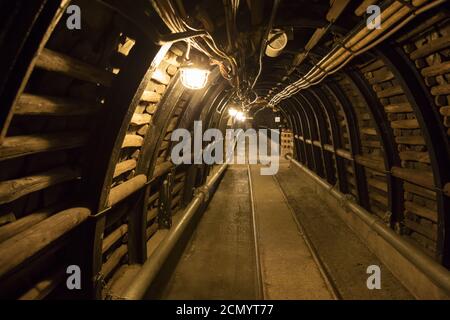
(415, 156)
(19, 146)
(124, 166)
(431, 47)
(421, 178)
(398, 108)
(375, 164)
(57, 62)
(421, 211)
(125, 189)
(11, 190)
(113, 237)
(23, 246)
(132, 140)
(140, 119)
(114, 260)
(411, 140)
(405, 124)
(11, 229)
(34, 105)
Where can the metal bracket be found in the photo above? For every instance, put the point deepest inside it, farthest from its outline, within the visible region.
(165, 200)
(204, 190)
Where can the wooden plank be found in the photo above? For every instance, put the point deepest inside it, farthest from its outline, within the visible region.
(398, 108)
(44, 287)
(417, 227)
(11, 190)
(344, 154)
(34, 105)
(415, 156)
(421, 211)
(113, 237)
(132, 140)
(442, 89)
(57, 62)
(161, 77)
(445, 111)
(11, 229)
(23, 246)
(114, 260)
(431, 47)
(419, 177)
(405, 124)
(162, 168)
(380, 75)
(378, 184)
(417, 190)
(375, 164)
(151, 96)
(377, 64)
(328, 147)
(140, 119)
(436, 69)
(125, 189)
(410, 140)
(19, 146)
(371, 144)
(178, 187)
(379, 198)
(153, 198)
(423, 26)
(369, 131)
(390, 92)
(152, 230)
(152, 214)
(124, 166)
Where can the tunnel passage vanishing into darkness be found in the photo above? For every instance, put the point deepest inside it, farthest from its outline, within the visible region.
(86, 118)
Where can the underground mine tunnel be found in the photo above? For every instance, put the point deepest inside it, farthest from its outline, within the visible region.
(258, 149)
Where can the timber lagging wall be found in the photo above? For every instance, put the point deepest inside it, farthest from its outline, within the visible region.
(85, 171)
(389, 134)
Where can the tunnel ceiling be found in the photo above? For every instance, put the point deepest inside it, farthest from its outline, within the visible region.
(86, 117)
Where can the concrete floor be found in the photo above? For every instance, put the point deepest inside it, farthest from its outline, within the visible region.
(219, 260)
(288, 267)
(344, 256)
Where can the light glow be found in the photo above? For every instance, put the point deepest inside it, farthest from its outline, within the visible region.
(194, 78)
(232, 112)
(240, 116)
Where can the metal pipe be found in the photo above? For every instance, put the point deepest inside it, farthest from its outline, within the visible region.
(355, 45)
(434, 271)
(149, 270)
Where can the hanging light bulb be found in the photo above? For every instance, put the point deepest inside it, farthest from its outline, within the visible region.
(192, 75)
(194, 78)
(232, 112)
(240, 116)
